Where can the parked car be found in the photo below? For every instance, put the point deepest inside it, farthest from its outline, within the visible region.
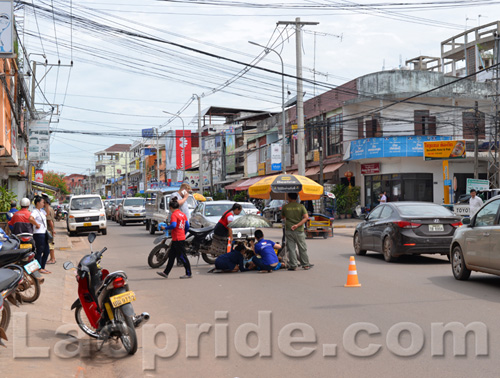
(86, 213)
(209, 213)
(250, 208)
(132, 210)
(485, 195)
(406, 228)
(108, 205)
(476, 245)
(272, 211)
(116, 209)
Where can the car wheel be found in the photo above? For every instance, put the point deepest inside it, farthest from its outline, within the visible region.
(104, 231)
(122, 223)
(357, 245)
(460, 271)
(72, 233)
(147, 225)
(388, 249)
(152, 228)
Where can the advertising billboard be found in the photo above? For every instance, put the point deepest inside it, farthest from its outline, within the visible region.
(6, 28)
(39, 145)
(276, 157)
(183, 148)
(230, 147)
(440, 150)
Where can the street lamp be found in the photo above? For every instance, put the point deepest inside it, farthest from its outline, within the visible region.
(267, 49)
(183, 145)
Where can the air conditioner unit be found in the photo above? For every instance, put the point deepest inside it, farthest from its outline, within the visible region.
(310, 156)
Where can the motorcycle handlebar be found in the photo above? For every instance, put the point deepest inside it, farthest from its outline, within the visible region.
(99, 254)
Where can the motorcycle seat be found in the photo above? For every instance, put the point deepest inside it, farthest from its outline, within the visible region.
(204, 230)
(12, 256)
(7, 278)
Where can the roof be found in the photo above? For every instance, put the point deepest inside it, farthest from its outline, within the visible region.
(118, 148)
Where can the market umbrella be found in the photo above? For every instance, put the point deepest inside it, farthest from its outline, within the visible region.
(279, 185)
(199, 197)
(250, 220)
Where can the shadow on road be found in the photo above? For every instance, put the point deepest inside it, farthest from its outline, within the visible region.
(378, 258)
(480, 286)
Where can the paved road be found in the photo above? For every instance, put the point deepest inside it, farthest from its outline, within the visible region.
(298, 317)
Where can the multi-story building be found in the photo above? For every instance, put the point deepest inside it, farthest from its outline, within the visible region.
(110, 165)
(76, 183)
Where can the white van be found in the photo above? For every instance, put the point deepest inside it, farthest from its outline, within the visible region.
(86, 213)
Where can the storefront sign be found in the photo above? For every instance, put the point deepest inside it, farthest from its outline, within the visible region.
(368, 169)
(477, 185)
(262, 169)
(39, 176)
(399, 146)
(439, 150)
(39, 143)
(276, 157)
(316, 155)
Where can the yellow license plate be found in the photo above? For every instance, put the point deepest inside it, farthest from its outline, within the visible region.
(25, 246)
(121, 299)
(87, 224)
(137, 215)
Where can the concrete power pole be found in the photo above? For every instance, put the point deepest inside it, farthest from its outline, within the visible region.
(300, 101)
(200, 154)
(476, 141)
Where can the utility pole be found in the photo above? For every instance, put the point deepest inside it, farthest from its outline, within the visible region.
(200, 154)
(300, 101)
(321, 146)
(476, 141)
(493, 164)
(126, 173)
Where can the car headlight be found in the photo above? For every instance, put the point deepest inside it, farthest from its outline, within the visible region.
(102, 217)
(71, 219)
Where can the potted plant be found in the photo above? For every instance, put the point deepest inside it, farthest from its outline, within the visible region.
(352, 194)
(6, 198)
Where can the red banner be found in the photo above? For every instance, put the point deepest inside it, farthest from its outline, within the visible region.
(183, 146)
(39, 176)
(371, 168)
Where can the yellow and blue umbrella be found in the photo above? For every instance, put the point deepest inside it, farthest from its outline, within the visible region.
(279, 185)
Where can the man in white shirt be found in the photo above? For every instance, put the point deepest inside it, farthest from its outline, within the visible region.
(383, 197)
(182, 195)
(475, 202)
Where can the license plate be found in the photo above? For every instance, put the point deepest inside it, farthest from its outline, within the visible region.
(137, 215)
(87, 224)
(121, 299)
(436, 227)
(25, 246)
(32, 267)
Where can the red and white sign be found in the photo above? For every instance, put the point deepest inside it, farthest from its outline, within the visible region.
(183, 148)
(39, 176)
(368, 169)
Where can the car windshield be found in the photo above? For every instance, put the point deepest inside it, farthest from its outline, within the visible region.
(86, 203)
(248, 206)
(134, 202)
(276, 203)
(424, 210)
(217, 210)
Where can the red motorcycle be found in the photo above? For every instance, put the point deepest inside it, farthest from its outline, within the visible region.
(103, 309)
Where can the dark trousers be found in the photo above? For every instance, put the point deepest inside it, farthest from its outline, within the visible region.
(177, 250)
(258, 262)
(42, 248)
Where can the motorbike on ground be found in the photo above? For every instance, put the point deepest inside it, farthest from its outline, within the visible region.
(11, 277)
(198, 241)
(103, 309)
(13, 250)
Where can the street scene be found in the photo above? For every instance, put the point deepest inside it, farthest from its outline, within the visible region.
(232, 189)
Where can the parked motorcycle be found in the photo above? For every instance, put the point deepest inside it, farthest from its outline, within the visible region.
(103, 309)
(14, 250)
(11, 277)
(198, 241)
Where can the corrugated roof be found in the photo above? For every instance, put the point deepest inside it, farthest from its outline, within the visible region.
(118, 148)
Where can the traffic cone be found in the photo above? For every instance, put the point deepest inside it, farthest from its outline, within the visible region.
(352, 275)
(228, 245)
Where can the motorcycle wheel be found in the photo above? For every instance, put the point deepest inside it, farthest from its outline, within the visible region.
(209, 259)
(30, 289)
(129, 339)
(158, 255)
(5, 316)
(84, 323)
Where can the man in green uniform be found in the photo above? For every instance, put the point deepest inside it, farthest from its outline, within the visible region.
(295, 216)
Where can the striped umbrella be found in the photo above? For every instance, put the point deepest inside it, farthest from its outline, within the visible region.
(279, 185)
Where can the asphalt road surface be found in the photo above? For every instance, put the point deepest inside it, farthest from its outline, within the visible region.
(293, 324)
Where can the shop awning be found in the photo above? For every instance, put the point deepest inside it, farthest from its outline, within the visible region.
(312, 171)
(248, 183)
(235, 184)
(332, 167)
(44, 187)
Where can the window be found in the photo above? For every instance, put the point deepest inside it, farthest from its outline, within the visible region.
(361, 131)
(372, 127)
(335, 135)
(469, 122)
(375, 214)
(487, 215)
(424, 123)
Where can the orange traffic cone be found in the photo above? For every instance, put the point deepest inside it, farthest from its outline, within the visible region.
(228, 245)
(352, 275)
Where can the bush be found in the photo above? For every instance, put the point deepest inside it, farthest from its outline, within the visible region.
(6, 197)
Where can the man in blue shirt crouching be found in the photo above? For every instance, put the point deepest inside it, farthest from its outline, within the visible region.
(265, 258)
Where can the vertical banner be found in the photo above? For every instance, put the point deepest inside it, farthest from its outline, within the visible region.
(170, 160)
(276, 157)
(6, 28)
(446, 181)
(39, 141)
(230, 146)
(183, 148)
(39, 176)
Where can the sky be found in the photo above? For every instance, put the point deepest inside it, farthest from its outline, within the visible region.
(115, 66)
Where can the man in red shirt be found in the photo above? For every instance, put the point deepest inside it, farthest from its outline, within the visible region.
(20, 221)
(179, 225)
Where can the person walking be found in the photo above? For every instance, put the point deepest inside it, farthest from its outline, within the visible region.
(294, 215)
(39, 220)
(475, 202)
(179, 224)
(51, 218)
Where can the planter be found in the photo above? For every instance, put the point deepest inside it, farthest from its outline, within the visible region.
(348, 216)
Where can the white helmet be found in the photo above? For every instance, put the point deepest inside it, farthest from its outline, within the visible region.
(25, 202)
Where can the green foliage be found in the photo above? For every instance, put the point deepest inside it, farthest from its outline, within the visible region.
(143, 195)
(219, 196)
(56, 180)
(346, 197)
(240, 196)
(6, 197)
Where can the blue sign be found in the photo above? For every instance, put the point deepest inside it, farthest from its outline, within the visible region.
(148, 133)
(397, 146)
(447, 182)
(276, 167)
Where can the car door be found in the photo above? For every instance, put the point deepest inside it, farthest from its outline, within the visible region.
(379, 226)
(478, 241)
(493, 234)
(367, 228)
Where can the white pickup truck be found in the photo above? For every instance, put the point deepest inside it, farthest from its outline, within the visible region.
(157, 208)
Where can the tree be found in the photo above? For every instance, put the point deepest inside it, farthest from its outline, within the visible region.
(56, 180)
